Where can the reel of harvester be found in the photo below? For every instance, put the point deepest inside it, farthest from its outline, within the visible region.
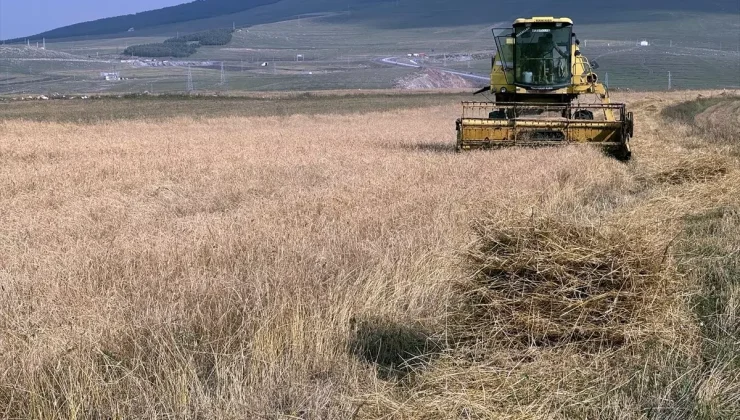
(537, 76)
(489, 124)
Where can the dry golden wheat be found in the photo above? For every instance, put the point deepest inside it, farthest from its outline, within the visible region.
(315, 267)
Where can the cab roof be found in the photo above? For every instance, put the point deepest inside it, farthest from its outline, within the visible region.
(543, 19)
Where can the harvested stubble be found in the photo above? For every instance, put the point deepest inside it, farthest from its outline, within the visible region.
(716, 118)
(694, 169)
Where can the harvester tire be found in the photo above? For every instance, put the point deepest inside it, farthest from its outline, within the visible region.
(624, 153)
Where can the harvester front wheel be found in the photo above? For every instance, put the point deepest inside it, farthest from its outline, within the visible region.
(621, 152)
(624, 151)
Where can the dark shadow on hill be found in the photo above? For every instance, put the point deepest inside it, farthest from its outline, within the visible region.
(396, 350)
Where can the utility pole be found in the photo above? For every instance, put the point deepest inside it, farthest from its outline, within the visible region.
(190, 86)
(670, 81)
(606, 80)
(223, 75)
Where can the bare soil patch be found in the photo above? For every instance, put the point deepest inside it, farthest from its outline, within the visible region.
(434, 79)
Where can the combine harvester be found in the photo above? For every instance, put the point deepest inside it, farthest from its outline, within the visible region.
(538, 77)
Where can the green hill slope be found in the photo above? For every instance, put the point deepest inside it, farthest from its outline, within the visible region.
(383, 14)
(436, 13)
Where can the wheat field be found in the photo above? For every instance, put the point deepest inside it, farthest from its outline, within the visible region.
(354, 266)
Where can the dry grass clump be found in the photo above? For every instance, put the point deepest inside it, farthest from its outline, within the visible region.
(544, 282)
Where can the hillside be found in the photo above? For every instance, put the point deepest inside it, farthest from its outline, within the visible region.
(435, 13)
(378, 13)
(195, 10)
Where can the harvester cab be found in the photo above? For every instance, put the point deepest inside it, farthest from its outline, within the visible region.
(538, 77)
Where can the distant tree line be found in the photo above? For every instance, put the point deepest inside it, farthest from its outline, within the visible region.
(161, 50)
(195, 10)
(212, 37)
(182, 46)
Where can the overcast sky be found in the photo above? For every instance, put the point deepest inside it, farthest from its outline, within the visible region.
(20, 18)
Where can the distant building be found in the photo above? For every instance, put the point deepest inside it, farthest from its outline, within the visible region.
(111, 77)
(644, 44)
(130, 29)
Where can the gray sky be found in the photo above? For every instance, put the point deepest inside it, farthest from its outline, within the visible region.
(20, 18)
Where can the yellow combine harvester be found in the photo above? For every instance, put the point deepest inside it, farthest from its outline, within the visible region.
(538, 77)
